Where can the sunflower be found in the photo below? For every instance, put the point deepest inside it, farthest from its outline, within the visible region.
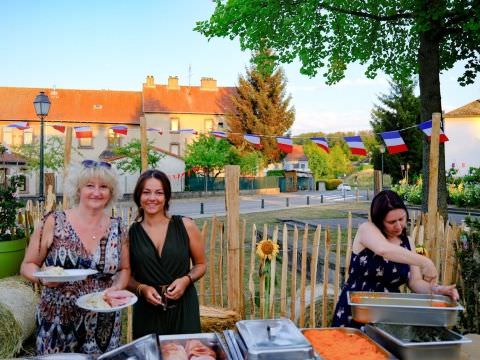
(267, 249)
(421, 250)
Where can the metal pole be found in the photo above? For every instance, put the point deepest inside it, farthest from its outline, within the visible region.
(262, 205)
(308, 200)
(41, 195)
(201, 208)
(287, 202)
(321, 198)
(382, 173)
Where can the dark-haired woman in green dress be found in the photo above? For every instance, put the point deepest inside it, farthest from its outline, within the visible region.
(162, 247)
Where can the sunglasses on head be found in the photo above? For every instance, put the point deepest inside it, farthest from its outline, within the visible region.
(93, 163)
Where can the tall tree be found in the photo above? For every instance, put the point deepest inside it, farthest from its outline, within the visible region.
(317, 161)
(261, 107)
(401, 38)
(399, 109)
(130, 160)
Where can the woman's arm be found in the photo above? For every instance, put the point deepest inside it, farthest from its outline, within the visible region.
(369, 236)
(37, 249)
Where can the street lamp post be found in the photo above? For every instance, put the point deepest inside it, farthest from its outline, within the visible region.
(42, 106)
(382, 151)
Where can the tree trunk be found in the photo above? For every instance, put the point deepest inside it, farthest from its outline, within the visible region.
(430, 100)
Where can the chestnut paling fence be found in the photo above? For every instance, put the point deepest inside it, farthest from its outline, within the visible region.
(311, 262)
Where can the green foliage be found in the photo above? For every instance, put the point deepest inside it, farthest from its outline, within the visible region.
(9, 206)
(468, 255)
(465, 195)
(260, 106)
(409, 193)
(250, 163)
(331, 184)
(318, 162)
(338, 161)
(276, 173)
(399, 109)
(54, 153)
(473, 176)
(131, 161)
(209, 155)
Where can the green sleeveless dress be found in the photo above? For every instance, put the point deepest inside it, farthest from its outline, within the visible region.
(149, 267)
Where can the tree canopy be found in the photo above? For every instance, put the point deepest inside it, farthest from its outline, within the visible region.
(400, 38)
(130, 160)
(261, 107)
(400, 109)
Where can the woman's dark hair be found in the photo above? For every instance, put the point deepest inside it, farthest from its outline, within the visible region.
(382, 203)
(152, 174)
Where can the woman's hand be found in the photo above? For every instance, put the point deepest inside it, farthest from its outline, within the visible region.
(151, 295)
(448, 290)
(429, 271)
(176, 289)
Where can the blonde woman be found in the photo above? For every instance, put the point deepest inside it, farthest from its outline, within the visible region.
(84, 237)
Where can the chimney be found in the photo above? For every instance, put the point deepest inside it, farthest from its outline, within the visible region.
(207, 83)
(173, 83)
(150, 81)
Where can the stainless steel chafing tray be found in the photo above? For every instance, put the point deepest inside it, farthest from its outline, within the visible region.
(400, 308)
(407, 343)
(277, 339)
(212, 340)
(352, 331)
(144, 348)
(63, 356)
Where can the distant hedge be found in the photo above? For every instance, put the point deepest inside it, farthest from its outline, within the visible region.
(331, 184)
(276, 173)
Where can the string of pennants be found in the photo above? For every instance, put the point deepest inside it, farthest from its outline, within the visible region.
(393, 140)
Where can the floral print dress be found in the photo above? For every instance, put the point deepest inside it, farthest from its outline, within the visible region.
(61, 325)
(370, 272)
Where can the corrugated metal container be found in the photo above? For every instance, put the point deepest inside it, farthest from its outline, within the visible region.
(407, 342)
(403, 308)
(278, 339)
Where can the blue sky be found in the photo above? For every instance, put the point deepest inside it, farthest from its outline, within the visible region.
(115, 44)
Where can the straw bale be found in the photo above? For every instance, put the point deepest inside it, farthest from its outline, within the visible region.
(17, 315)
(215, 319)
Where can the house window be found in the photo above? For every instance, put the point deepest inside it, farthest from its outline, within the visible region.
(174, 124)
(175, 148)
(85, 143)
(22, 183)
(16, 137)
(28, 136)
(114, 140)
(220, 125)
(208, 125)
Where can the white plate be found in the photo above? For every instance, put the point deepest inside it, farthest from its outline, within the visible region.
(70, 275)
(82, 302)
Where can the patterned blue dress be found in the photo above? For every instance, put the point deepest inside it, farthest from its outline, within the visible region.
(370, 272)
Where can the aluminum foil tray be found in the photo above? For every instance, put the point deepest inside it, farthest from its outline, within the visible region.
(144, 348)
(402, 308)
(407, 342)
(278, 339)
(212, 340)
(353, 331)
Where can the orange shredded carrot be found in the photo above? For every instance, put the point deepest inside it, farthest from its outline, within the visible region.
(334, 344)
(441, 304)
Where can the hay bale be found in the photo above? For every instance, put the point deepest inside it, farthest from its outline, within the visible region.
(215, 319)
(17, 315)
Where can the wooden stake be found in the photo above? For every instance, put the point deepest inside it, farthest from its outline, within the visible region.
(143, 143)
(325, 277)
(273, 269)
(283, 282)
(202, 280)
(433, 178)
(303, 277)
(66, 163)
(251, 283)
(242, 268)
(336, 286)
(313, 273)
(293, 287)
(349, 245)
(211, 261)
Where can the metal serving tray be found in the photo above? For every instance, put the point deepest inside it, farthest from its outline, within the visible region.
(352, 331)
(212, 340)
(400, 308)
(144, 348)
(397, 339)
(278, 339)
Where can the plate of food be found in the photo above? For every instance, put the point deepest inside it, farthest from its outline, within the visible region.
(107, 301)
(59, 274)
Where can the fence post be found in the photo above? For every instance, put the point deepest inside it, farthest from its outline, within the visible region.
(262, 204)
(287, 203)
(308, 200)
(201, 208)
(368, 195)
(321, 199)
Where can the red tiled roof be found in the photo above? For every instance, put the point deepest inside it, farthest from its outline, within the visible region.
(186, 100)
(81, 106)
(297, 154)
(471, 109)
(11, 158)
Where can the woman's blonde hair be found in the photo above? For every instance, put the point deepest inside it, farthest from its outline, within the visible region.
(79, 175)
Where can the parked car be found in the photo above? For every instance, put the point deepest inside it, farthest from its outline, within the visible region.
(344, 187)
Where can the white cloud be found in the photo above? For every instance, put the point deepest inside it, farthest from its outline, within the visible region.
(330, 121)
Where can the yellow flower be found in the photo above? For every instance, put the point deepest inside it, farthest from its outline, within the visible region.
(421, 250)
(267, 249)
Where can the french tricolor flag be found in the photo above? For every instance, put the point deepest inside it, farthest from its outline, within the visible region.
(321, 143)
(60, 128)
(219, 134)
(355, 144)
(82, 132)
(120, 129)
(426, 127)
(253, 139)
(184, 131)
(21, 125)
(394, 142)
(156, 130)
(285, 144)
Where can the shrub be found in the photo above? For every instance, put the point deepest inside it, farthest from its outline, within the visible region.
(9, 206)
(276, 173)
(331, 184)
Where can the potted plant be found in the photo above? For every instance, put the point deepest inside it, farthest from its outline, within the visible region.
(12, 236)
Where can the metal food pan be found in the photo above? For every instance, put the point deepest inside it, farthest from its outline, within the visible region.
(403, 308)
(351, 331)
(210, 339)
(404, 349)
